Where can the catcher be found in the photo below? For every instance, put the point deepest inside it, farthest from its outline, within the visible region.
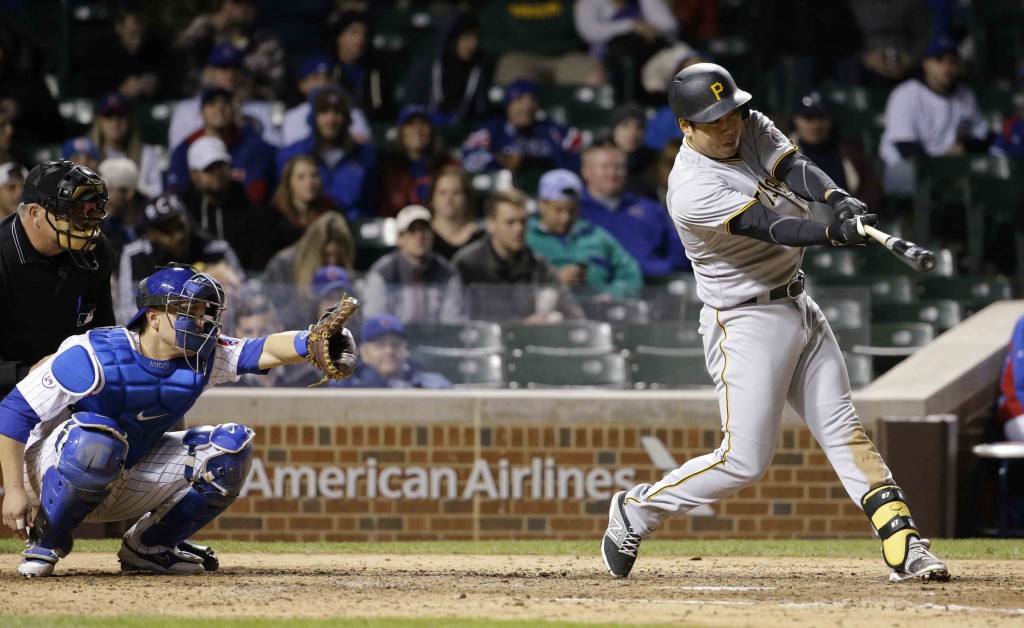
(84, 436)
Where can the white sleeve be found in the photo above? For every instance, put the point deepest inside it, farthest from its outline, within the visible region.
(657, 13)
(43, 394)
(595, 28)
(899, 116)
(707, 202)
(770, 143)
(184, 121)
(225, 360)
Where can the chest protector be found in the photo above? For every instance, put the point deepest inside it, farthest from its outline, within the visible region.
(145, 396)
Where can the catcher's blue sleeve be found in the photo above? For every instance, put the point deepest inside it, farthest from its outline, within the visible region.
(249, 359)
(17, 418)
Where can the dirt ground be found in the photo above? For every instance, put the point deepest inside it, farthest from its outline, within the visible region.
(708, 591)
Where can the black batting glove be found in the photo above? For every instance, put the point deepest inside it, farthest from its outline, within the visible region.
(845, 206)
(849, 232)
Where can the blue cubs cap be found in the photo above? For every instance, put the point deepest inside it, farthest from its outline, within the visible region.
(381, 325)
(78, 146)
(559, 185)
(225, 56)
(409, 112)
(112, 103)
(521, 87)
(314, 64)
(940, 46)
(330, 278)
(211, 93)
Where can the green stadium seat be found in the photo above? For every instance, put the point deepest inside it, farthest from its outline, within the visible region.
(660, 338)
(844, 313)
(568, 338)
(822, 261)
(893, 342)
(852, 339)
(466, 371)
(884, 288)
(618, 310)
(656, 371)
(993, 212)
(39, 153)
(859, 368)
(153, 120)
(878, 260)
(943, 314)
(938, 182)
(374, 238)
(466, 338)
(972, 292)
(558, 371)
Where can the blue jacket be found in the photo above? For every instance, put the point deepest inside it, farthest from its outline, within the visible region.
(350, 183)
(644, 228)
(409, 377)
(252, 163)
(544, 146)
(662, 128)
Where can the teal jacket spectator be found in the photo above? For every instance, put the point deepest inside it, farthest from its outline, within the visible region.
(587, 257)
(347, 168)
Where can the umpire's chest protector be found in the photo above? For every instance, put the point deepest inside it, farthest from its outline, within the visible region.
(146, 397)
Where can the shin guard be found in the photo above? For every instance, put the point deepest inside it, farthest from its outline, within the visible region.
(886, 507)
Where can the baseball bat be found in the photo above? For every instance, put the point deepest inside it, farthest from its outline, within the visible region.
(920, 259)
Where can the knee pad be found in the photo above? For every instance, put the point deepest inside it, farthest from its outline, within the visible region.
(91, 454)
(219, 458)
(886, 507)
(217, 466)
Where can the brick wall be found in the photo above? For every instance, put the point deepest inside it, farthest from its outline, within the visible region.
(800, 496)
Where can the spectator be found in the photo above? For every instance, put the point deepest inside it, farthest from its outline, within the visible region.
(536, 41)
(629, 126)
(331, 283)
(406, 170)
(288, 277)
(697, 19)
(367, 81)
(588, 258)
(82, 152)
(413, 282)
(452, 203)
(346, 168)
(224, 70)
(504, 278)
(6, 135)
(384, 359)
(894, 34)
(663, 166)
(844, 161)
(233, 23)
(298, 202)
(935, 115)
(1010, 140)
(115, 134)
(640, 224)
(165, 235)
(12, 181)
(252, 160)
(124, 208)
(623, 35)
(1010, 407)
(256, 317)
(24, 96)
(454, 83)
(217, 203)
(131, 61)
(813, 52)
(520, 140)
(658, 72)
(315, 72)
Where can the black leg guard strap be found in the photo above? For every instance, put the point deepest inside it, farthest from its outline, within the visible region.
(889, 514)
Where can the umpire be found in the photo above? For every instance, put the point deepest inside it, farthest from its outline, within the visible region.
(55, 266)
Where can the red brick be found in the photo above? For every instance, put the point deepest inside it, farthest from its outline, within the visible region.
(816, 508)
(745, 508)
(781, 492)
(597, 437)
(782, 525)
(817, 492)
(341, 436)
(815, 475)
(321, 455)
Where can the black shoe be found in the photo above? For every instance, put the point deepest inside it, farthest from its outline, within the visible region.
(620, 544)
(210, 561)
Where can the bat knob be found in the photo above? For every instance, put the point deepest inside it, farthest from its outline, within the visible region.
(927, 263)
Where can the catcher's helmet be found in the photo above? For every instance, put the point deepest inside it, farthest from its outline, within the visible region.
(74, 198)
(183, 287)
(704, 92)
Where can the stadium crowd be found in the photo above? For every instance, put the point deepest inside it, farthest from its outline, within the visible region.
(501, 160)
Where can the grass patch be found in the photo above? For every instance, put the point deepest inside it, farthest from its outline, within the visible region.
(143, 621)
(954, 549)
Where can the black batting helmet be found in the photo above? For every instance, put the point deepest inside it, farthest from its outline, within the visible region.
(704, 92)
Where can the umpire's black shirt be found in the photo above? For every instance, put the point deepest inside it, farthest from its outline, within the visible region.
(43, 300)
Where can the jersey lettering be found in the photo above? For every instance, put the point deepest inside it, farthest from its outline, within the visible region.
(717, 89)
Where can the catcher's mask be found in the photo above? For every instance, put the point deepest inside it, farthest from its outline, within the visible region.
(198, 301)
(74, 198)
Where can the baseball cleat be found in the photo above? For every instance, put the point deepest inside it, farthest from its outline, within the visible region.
(161, 560)
(620, 544)
(38, 562)
(920, 563)
(210, 560)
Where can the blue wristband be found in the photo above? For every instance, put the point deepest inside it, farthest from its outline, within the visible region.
(300, 344)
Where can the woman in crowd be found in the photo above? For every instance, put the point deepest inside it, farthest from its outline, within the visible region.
(115, 134)
(298, 202)
(452, 203)
(288, 277)
(406, 170)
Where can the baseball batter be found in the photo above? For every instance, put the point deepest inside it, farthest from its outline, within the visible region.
(83, 437)
(737, 194)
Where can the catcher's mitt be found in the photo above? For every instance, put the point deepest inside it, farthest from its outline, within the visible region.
(332, 350)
